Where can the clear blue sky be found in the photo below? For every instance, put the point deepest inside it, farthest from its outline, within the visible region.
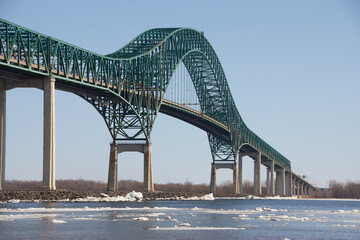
(293, 68)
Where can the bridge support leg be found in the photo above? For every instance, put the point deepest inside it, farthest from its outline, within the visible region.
(298, 187)
(293, 191)
(240, 174)
(235, 179)
(289, 184)
(49, 134)
(257, 174)
(280, 182)
(148, 173)
(213, 178)
(113, 162)
(270, 187)
(2, 134)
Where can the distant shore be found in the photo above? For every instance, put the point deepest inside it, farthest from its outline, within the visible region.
(58, 195)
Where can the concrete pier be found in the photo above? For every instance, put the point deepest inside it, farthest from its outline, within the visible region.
(213, 178)
(215, 166)
(240, 174)
(257, 174)
(49, 134)
(270, 186)
(298, 188)
(280, 181)
(289, 184)
(113, 168)
(2, 134)
(235, 179)
(148, 173)
(117, 148)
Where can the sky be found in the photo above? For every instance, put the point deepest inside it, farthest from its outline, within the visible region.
(293, 68)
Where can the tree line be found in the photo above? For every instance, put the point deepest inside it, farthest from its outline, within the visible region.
(350, 189)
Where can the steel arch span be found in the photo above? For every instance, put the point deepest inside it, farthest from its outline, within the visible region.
(127, 87)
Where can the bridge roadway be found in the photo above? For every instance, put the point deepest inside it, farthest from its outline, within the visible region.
(17, 72)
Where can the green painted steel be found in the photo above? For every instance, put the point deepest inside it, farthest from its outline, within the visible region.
(127, 87)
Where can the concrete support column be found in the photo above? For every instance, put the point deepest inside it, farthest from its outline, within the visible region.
(2, 134)
(148, 172)
(257, 174)
(49, 134)
(113, 167)
(213, 178)
(280, 182)
(301, 189)
(240, 174)
(268, 181)
(305, 191)
(271, 184)
(289, 184)
(235, 179)
(298, 187)
(293, 186)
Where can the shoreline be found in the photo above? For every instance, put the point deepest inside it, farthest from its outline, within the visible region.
(15, 196)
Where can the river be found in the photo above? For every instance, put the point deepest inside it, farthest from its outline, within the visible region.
(212, 219)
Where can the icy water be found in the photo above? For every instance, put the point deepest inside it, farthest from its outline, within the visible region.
(217, 219)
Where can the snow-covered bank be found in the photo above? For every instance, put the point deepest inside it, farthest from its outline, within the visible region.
(63, 196)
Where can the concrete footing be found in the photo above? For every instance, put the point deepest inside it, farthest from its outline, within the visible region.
(49, 134)
(115, 149)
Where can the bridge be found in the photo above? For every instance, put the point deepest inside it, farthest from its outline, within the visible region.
(129, 88)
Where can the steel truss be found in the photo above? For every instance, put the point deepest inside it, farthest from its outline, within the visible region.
(131, 82)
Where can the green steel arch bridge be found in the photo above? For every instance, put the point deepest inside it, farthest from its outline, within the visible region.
(130, 87)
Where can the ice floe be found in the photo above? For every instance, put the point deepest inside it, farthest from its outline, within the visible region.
(58, 221)
(185, 224)
(141, 219)
(175, 228)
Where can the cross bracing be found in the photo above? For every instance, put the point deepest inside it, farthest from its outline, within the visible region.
(128, 86)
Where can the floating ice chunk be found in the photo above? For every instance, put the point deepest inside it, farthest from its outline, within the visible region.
(185, 224)
(104, 195)
(57, 221)
(167, 217)
(195, 228)
(154, 214)
(338, 225)
(83, 219)
(14, 201)
(141, 219)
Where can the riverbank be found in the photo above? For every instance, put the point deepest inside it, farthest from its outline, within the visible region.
(58, 195)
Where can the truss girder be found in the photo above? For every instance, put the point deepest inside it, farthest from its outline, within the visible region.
(136, 77)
